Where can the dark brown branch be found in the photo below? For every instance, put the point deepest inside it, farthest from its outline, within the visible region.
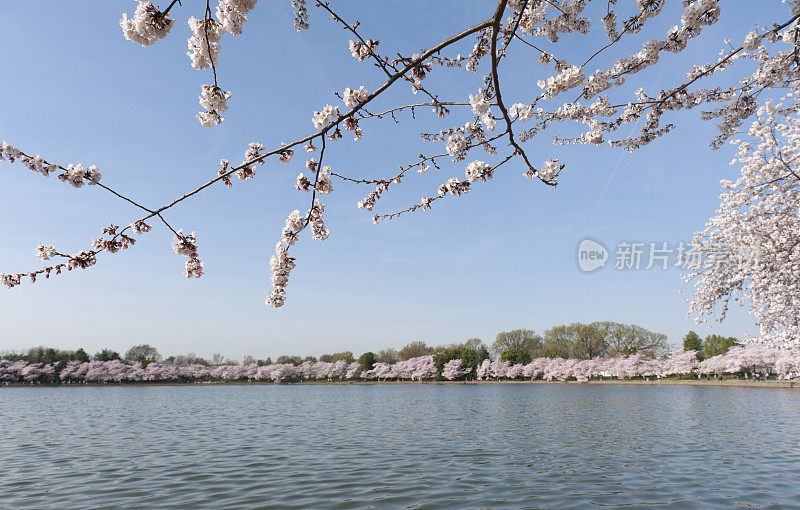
(498, 17)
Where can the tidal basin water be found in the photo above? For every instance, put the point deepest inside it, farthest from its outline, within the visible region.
(399, 446)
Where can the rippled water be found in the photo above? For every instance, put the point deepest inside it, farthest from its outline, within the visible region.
(411, 445)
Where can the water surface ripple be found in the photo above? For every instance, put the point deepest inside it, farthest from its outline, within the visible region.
(399, 446)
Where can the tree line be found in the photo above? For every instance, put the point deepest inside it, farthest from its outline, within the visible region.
(519, 346)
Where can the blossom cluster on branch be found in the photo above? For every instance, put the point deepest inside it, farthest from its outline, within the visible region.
(147, 25)
(73, 174)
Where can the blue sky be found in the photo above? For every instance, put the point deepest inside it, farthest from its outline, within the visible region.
(500, 258)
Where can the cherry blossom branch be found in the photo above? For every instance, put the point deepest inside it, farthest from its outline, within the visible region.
(498, 18)
(410, 65)
(173, 2)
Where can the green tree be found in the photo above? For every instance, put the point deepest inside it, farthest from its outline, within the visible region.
(587, 341)
(388, 355)
(80, 355)
(414, 350)
(523, 343)
(626, 339)
(515, 357)
(143, 354)
(471, 353)
(346, 355)
(714, 345)
(693, 342)
(107, 355)
(557, 342)
(606, 338)
(475, 344)
(366, 361)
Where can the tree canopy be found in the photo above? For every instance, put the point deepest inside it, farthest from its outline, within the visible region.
(602, 339)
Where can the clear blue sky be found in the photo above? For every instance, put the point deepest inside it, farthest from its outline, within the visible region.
(502, 257)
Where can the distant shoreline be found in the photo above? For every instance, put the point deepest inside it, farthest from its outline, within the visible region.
(738, 383)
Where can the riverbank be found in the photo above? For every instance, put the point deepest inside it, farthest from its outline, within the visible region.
(740, 383)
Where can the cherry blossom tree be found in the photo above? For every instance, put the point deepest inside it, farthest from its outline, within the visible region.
(452, 370)
(752, 246)
(739, 360)
(490, 131)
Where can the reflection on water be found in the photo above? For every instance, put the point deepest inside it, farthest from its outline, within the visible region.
(418, 446)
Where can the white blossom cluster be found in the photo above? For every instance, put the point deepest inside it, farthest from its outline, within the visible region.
(204, 43)
(193, 268)
(33, 163)
(418, 73)
(369, 201)
(281, 264)
(251, 158)
(294, 225)
(523, 112)
(186, 245)
(459, 140)
(232, 14)
(112, 245)
(478, 170)
(352, 97)
(456, 145)
(481, 107)
(215, 101)
(567, 79)
(117, 241)
(148, 24)
(475, 171)
(81, 260)
(324, 184)
(318, 230)
(10, 280)
(455, 187)
(361, 51)
(45, 252)
(568, 19)
(548, 173)
(325, 117)
(74, 174)
(300, 15)
(302, 183)
(140, 227)
(285, 155)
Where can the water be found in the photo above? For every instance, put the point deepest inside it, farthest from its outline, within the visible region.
(393, 446)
